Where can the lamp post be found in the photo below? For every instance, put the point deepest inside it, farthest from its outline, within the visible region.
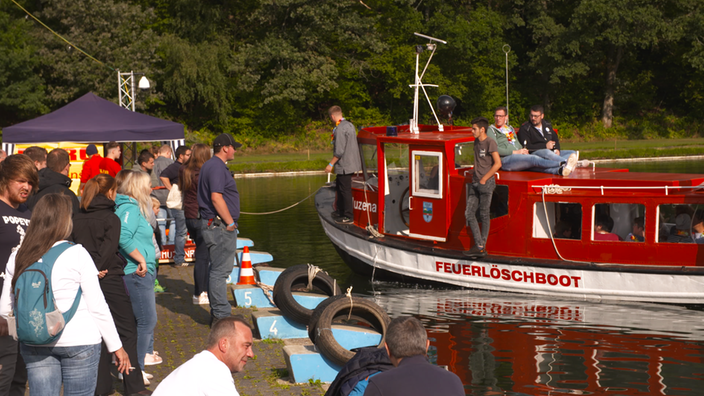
(127, 96)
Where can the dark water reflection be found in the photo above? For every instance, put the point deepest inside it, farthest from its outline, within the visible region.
(500, 343)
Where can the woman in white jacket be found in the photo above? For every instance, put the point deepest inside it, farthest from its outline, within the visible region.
(73, 358)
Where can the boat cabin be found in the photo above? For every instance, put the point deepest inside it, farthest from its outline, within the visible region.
(413, 188)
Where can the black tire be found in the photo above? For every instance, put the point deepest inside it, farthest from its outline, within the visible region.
(313, 323)
(296, 277)
(363, 310)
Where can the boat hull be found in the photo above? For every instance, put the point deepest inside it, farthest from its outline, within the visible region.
(363, 255)
(406, 260)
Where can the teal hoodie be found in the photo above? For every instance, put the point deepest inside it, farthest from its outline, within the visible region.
(135, 233)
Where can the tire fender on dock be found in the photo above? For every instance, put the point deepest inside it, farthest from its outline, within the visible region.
(297, 277)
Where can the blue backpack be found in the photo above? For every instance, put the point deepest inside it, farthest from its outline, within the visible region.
(37, 320)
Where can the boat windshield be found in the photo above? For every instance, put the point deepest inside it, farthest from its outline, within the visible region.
(464, 155)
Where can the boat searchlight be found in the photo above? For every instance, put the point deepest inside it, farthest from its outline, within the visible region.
(418, 84)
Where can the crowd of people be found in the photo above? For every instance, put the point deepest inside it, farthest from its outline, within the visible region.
(115, 233)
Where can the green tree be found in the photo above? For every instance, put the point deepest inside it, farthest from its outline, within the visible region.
(22, 90)
(114, 33)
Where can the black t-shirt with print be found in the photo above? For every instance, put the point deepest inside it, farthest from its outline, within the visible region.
(13, 226)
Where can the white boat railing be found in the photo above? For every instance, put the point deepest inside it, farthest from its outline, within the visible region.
(558, 189)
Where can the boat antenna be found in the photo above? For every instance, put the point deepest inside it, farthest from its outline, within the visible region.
(506, 48)
(418, 84)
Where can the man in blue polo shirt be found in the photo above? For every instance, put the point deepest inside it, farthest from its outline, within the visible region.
(219, 204)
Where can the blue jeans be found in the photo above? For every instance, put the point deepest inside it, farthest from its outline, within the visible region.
(533, 163)
(549, 154)
(47, 367)
(180, 234)
(201, 271)
(222, 246)
(164, 214)
(144, 307)
(479, 195)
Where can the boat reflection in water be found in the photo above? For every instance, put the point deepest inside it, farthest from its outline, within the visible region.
(509, 344)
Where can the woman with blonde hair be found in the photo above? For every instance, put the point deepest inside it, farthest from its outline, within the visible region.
(134, 209)
(188, 183)
(73, 358)
(97, 228)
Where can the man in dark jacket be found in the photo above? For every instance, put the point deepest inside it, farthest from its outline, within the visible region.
(407, 344)
(54, 178)
(538, 135)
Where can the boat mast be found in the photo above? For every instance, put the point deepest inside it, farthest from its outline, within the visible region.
(506, 48)
(418, 83)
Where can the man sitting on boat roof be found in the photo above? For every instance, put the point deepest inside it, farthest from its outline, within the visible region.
(516, 158)
(541, 139)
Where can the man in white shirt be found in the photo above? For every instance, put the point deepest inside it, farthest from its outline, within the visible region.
(210, 372)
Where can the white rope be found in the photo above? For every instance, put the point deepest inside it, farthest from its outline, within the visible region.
(555, 189)
(268, 292)
(312, 271)
(370, 228)
(349, 295)
(547, 219)
(280, 210)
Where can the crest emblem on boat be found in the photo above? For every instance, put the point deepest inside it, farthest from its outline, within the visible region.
(427, 211)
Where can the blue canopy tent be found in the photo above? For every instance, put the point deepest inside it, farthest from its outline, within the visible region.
(92, 119)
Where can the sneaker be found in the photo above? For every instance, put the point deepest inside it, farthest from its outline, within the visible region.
(147, 375)
(202, 299)
(564, 171)
(344, 220)
(158, 288)
(151, 359)
(146, 380)
(475, 252)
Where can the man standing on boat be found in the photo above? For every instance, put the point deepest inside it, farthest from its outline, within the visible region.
(540, 138)
(346, 161)
(486, 163)
(407, 345)
(219, 205)
(516, 158)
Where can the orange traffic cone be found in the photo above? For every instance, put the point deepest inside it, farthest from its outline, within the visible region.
(246, 271)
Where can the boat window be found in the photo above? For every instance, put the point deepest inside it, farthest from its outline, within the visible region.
(680, 223)
(369, 157)
(427, 173)
(618, 222)
(396, 213)
(499, 202)
(563, 220)
(464, 155)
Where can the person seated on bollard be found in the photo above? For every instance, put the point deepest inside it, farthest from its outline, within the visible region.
(210, 372)
(407, 345)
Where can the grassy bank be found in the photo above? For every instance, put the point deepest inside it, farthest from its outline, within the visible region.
(253, 162)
